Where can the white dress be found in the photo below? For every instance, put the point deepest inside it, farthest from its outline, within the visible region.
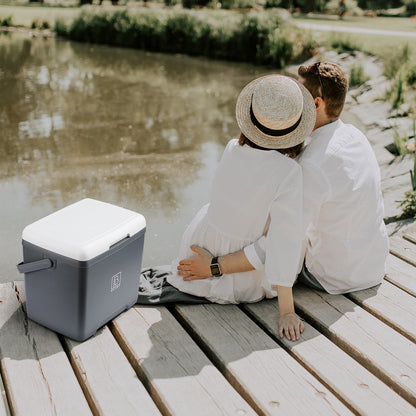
(253, 191)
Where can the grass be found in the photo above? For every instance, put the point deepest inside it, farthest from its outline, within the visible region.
(378, 45)
(408, 204)
(25, 15)
(400, 141)
(403, 147)
(343, 44)
(357, 76)
(385, 23)
(400, 66)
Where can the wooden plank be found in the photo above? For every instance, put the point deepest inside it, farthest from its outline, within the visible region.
(181, 379)
(401, 274)
(4, 404)
(404, 249)
(390, 304)
(262, 372)
(107, 379)
(411, 236)
(360, 389)
(36, 371)
(382, 350)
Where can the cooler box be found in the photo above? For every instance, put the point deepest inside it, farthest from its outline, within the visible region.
(82, 266)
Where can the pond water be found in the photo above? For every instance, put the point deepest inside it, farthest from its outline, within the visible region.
(140, 130)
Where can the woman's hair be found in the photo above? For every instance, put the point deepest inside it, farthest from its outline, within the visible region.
(328, 81)
(292, 152)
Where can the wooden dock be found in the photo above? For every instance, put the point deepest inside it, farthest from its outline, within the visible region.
(357, 355)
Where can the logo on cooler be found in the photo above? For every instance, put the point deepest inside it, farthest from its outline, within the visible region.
(115, 281)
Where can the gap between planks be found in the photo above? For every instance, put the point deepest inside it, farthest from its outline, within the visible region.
(4, 406)
(404, 249)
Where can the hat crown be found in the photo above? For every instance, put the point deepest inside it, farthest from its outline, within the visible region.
(277, 102)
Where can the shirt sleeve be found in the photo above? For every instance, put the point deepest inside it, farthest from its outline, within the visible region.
(283, 241)
(315, 192)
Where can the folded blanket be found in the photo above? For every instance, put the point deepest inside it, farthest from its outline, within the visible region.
(154, 289)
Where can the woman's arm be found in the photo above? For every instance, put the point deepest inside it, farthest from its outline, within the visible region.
(199, 266)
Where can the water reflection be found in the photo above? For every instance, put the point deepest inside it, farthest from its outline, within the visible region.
(141, 130)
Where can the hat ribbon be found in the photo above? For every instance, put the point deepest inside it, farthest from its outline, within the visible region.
(271, 132)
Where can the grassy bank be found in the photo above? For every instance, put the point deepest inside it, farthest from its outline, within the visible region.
(257, 37)
(26, 15)
(385, 23)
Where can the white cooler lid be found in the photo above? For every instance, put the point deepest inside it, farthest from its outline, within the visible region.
(84, 230)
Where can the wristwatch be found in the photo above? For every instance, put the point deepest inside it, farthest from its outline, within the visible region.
(215, 267)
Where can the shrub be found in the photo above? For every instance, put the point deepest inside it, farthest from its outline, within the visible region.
(257, 37)
(238, 4)
(188, 4)
(410, 7)
(60, 28)
(277, 50)
(7, 21)
(408, 204)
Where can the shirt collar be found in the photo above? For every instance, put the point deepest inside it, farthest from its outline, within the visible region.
(326, 129)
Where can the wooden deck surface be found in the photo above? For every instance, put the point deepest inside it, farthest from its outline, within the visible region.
(357, 355)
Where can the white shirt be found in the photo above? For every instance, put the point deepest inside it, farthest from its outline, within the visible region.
(249, 186)
(346, 243)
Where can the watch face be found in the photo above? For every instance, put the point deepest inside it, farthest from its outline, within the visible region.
(215, 270)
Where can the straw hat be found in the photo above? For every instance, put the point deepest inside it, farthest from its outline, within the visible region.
(275, 112)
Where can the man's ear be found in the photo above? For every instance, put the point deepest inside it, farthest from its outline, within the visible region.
(319, 102)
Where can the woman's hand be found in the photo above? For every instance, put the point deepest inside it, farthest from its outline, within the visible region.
(197, 267)
(291, 325)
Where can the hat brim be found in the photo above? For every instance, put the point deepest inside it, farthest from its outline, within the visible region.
(297, 136)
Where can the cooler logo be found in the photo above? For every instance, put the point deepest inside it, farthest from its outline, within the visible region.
(115, 281)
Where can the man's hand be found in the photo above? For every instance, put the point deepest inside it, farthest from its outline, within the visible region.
(198, 267)
(291, 326)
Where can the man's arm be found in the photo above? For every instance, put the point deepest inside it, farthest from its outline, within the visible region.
(199, 266)
(315, 189)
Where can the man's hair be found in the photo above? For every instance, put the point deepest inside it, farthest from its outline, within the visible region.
(292, 152)
(329, 81)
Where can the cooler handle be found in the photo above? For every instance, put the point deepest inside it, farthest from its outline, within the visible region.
(34, 266)
(119, 242)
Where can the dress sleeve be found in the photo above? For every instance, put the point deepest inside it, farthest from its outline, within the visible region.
(284, 239)
(256, 253)
(315, 191)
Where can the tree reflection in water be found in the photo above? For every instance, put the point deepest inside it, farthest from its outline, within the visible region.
(132, 128)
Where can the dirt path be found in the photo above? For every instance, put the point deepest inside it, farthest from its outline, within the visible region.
(338, 28)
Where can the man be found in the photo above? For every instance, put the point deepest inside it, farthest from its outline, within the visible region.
(345, 243)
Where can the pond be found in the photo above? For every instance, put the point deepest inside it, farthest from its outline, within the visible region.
(140, 130)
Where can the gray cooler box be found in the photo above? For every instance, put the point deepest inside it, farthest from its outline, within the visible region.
(82, 266)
